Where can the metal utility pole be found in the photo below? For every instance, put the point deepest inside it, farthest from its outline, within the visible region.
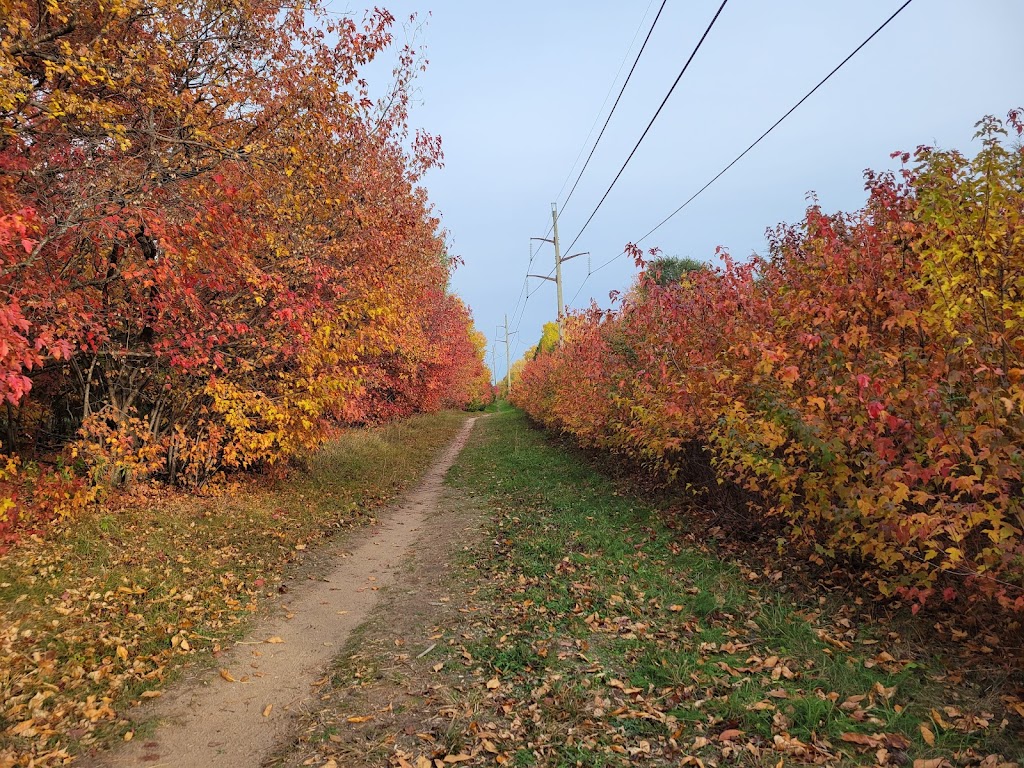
(558, 267)
(508, 365)
(508, 361)
(557, 279)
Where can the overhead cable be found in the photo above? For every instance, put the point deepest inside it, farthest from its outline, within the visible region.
(757, 141)
(651, 123)
(617, 99)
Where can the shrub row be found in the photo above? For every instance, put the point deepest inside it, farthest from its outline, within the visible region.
(864, 381)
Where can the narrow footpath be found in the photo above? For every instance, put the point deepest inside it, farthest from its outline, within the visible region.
(238, 712)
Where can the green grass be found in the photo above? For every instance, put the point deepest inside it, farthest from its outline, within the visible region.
(499, 406)
(629, 615)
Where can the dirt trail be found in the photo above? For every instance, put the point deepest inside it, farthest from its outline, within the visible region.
(214, 722)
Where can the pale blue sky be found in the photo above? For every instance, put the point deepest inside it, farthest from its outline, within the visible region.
(514, 89)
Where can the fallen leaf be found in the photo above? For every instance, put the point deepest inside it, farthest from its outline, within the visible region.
(928, 735)
(934, 762)
(897, 741)
(227, 676)
(730, 734)
(459, 758)
(359, 718)
(266, 710)
(437, 667)
(493, 683)
(881, 690)
(274, 640)
(863, 739)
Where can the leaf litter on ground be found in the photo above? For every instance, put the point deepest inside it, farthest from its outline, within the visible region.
(99, 615)
(584, 631)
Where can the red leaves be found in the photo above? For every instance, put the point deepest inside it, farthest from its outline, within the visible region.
(214, 255)
(857, 381)
(789, 374)
(17, 355)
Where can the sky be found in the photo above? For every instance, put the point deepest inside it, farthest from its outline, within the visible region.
(519, 91)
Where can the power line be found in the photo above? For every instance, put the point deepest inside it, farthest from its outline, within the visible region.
(526, 286)
(526, 281)
(774, 125)
(522, 315)
(651, 123)
(578, 290)
(525, 289)
(591, 272)
(528, 296)
(616, 104)
(529, 293)
(604, 103)
(740, 156)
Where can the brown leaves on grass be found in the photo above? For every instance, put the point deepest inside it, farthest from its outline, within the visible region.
(94, 619)
(77, 647)
(564, 695)
(567, 691)
(572, 656)
(70, 662)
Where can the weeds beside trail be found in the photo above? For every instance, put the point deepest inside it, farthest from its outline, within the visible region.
(101, 614)
(586, 633)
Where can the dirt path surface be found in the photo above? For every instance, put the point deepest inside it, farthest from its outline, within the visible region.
(384, 686)
(237, 716)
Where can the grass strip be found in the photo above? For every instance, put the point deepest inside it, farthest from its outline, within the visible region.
(592, 635)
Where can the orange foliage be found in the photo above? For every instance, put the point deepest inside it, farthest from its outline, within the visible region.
(213, 243)
(864, 382)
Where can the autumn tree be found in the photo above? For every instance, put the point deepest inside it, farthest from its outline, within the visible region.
(213, 242)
